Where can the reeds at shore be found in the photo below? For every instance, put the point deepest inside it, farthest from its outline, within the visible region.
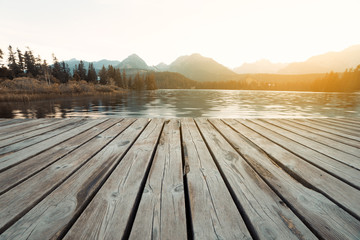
(26, 89)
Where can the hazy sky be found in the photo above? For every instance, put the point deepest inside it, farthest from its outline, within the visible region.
(230, 31)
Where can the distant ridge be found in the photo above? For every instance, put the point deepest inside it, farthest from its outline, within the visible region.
(199, 68)
(331, 61)
(261, 66)
(133, 61)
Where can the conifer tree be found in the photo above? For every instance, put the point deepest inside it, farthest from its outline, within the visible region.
(150, 81)
(30, 64)
(103, 76)
(20, 62)
(12, 64)
(124, 80)
(91, 74)
(81, 71)
(1, 57)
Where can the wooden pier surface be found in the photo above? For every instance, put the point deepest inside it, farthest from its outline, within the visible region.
(180, 178)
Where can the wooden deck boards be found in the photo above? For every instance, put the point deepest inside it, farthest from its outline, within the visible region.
(180, 178)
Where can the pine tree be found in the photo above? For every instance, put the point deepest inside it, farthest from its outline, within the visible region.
(56, 69)
(138, 82)
(118, 78)
(80, 71)
(150, 81)
(91, 75)
(20, 62)
(110, 75)
(65, 70)
(1, 57)
(124, 80)
(30, 64)
(12, 64)
(103, 76)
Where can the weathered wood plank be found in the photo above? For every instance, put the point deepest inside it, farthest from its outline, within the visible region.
(35, 132)
(268, 215)
(20, 132)
(161, 213)
(318, 138)
(54, 214)
(342, 140)
(10, 160)
(340, 156)
(214, 215)
(37, 139)
(325, 218)
(7, 122)
(342, 124)
(338, 169)
(22, 126)
(335, 189)
(325, 131)
(109, 214)
(355, 120)
(336, 128)
(13, 176)
(39, 186)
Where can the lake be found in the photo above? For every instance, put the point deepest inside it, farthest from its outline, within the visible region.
(193, 103)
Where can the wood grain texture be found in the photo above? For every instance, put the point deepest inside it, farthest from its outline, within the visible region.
(335, 127)
(338, 169)
(26, 169)
(51, 217)
(108, 214)
(326, 218)
(342, 124)
(326, 133)
(269, 216)
(320, 139)
(161, 213)
(37, 132)
(37, 139)
(214, 214)
(306, 173)
(10, 160)
(340, 156)
(21, 127)
(20, 199)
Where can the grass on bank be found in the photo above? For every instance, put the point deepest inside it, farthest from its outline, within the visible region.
(26, 89)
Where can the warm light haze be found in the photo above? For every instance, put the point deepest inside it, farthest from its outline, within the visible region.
(230, 31)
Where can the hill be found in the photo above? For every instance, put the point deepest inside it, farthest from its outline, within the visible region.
(261, 66)
(97, 64)
(199, 68)
(331, 61)
(132, 61)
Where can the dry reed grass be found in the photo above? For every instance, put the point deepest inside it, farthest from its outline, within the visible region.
(29, 89)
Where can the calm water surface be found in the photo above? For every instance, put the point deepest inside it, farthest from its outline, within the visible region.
(193, 103)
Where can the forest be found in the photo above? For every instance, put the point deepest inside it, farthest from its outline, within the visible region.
(25, 73)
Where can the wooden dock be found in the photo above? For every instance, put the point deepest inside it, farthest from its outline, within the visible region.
(180, 178)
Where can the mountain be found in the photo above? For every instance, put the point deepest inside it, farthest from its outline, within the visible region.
(97, 64)
(199, 68)
(133, 61)
(162, 67)
(261, 66)
(331, 61)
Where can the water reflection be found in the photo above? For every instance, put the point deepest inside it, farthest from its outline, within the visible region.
(193, 103)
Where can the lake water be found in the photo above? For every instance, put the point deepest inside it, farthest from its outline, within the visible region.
(193, 103)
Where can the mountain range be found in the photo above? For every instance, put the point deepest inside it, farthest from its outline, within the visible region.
(199, 68)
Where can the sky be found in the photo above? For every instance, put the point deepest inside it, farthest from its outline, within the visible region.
(229, 31)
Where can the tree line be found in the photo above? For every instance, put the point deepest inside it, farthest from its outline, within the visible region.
(25, 64)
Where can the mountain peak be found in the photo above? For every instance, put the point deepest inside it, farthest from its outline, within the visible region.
(133, 61)
(200, 68)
